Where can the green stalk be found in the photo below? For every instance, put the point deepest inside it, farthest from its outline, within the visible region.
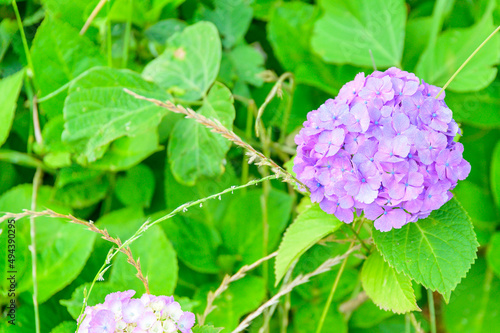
(31, 72)
(432, 310)
(109, 42)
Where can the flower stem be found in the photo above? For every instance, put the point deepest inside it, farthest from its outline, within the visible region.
(467, 61)
(126, 38)
(432, 311)
(25, 41)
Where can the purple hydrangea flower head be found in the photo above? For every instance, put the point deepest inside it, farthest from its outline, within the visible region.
(384, 146)
(149, 313)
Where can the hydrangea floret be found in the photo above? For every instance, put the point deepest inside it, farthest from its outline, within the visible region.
(122, 313)
(383, 147)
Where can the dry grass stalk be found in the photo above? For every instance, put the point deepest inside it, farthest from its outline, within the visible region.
(285, 289)
(90, 226)
(216, 127)
(225, 283)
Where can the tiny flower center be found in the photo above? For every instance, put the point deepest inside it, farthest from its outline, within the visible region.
(363, 180)
(447, 164)
(378, 92)
(429, 196)
(376, 122)
(434, 115)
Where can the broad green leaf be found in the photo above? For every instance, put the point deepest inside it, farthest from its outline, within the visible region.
(160, 268)
(308, 315)
(69, 11)
(194, 151)
(99, 292)
(65, 327)
(348, 30)
(195, 242)
(453, 47)
(59, 55)
(368, 315)
(387, 288)
(212, 211)
(136, 187)
(78, 187)
(126, 152)
(306, 230)
(495, 174)
(479, 205)
(8, 27)
(231, 17)
(98, 111)
(62, 247)
(289, 31)
(161, 31)
(493, 254)
(248, 63)
(479, 108)
(242, 296)
(190, 63)
(9, 92)
(474, 304)
(417, 35)
(244, 235)
(436, 252)
(207, 329)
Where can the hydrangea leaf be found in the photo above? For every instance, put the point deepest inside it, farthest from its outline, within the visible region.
(98, 110)
(368, 315)
(160, 268)
(308, 315)
(248, 63)
(231, 17)
(136, 187)
(289, 31)
(244, 236)
(128, 151)
(9, 92)
(437, 64)
(480, 108)
(241, 297)
(194, 151)
(387, 288)
(65, 327)
(196, 243)
(495, 174)
(60, 254)
(493, 254)
(207, 329)
(348, 30)
(59, 55)
(99, 292)
(190, 63)
(436, 252)
(306, 230)
(474, 304)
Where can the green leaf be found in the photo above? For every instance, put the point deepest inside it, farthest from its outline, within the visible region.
(160, 268)
(8, 28)
(23, 159)
(126, 152)
(248, 63)
(417, 35)
(242, 296)
(289, 31)
(69, 11)
(231, 17)
(479, 108)
(453, 47)
(196, 243)
(367, 315)
(244, 235)
(98, 111)
(9, 92)
(62, 247)
(161, 31)
(436, 252)
(493, 254)
(474, 305)
(207, 329)
(308, 315)
(194, 151)
(348, 30)
(387, 288)
(99, 292)
(190, 63)
(495, 174)
(78, 187)
(65, 327)
(136, 187)
(306, 230)
(59, 55)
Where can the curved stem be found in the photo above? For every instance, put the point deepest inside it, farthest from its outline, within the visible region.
(432, 311)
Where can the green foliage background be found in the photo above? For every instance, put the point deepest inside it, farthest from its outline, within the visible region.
(117, 160)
